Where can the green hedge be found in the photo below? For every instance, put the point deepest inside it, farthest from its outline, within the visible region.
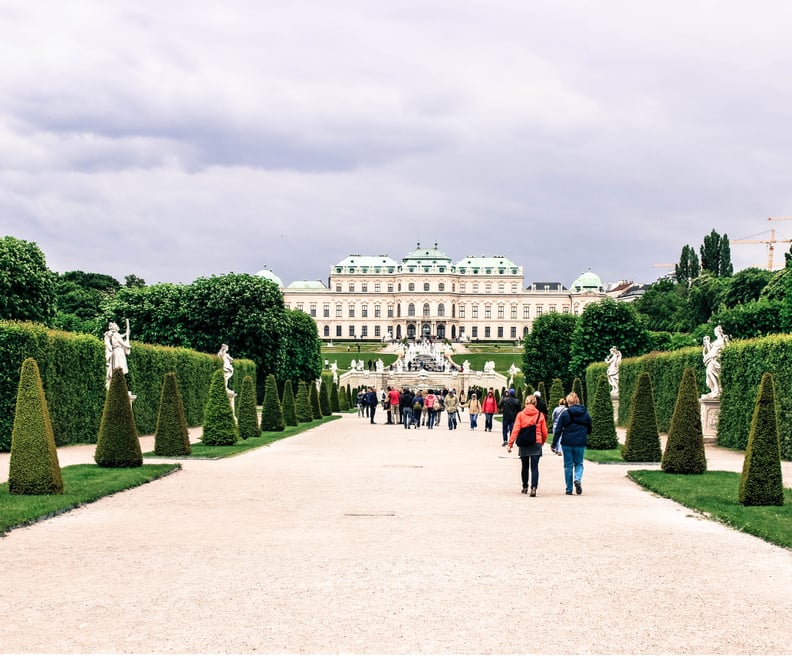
(72, 370)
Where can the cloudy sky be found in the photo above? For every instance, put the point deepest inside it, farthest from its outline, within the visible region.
(175, 139)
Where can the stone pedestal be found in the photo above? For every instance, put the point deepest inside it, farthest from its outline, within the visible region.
(615, 403)
(710, 410)
(132, 397)
(232, 400)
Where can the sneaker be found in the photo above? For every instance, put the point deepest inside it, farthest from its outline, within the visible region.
(524, 491)
(533, 492)
(569, 492)
(504, 444)
(578, 487)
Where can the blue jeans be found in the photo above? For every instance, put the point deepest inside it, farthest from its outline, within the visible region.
(530, 471)
(488, 420)
(573, 463)
(473, 420)
(507, 429)
(452, 421)
(407, 416)
(430, 420)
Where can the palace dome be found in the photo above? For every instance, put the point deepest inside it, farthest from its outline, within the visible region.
(269, 274)
(587, 282)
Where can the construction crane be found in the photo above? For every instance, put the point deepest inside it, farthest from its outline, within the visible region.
(770, 242)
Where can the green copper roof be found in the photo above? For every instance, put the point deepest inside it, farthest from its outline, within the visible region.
(433, 255)
(269, 274)
(307, 285)
(587, 281)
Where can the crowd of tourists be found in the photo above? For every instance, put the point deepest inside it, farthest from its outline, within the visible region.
(524, 424)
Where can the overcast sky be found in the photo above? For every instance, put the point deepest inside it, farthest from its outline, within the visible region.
(174, 140)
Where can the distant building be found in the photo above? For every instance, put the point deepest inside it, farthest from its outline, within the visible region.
(428, 295)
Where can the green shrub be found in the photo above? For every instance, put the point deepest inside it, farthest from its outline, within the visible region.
(541, 389)
(556, 394)
(271, 412)
(335, 403)
(603, 427)
(684, 452)
(289, 406)
(247, 416)
(219, 427)
(643, 439)
(171, 437)
(118, 444)
(761, 483)
(324, 399)
(577, 387)
(33, 466)
(343, 402)
(313, 399)
(302, 404)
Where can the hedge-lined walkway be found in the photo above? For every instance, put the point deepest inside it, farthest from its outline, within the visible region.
(356, 539)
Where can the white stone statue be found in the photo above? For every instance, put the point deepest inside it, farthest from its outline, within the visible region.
(380, 365)
(466, 366)
(334, 369)
(228, 360)
(117, 348)
(513, 370)
(489, 366)
(614, 361)
(353, 365)
(711, 356)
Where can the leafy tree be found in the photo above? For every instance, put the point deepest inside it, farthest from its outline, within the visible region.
(132, 281)
(759, 318)
(547, 348)
(704, 298)
(664, 306)
(157, 313)
(684, 452)
(302, 402)
(716, 255)
(603, 325)
(313, 399)
(118, 444)
(271, 411)
(247, 416)
(779, 285)
(745, 286)
(33, 466)
(289, 405)
(27, 287)
(603, 427)
(302, 348)
(688, 267)
(171, 437)
(761, 482)
(642, 443)
(80, 299)
(219, 427)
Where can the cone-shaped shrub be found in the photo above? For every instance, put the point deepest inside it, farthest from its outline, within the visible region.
(603, 428)
(324, 399)
(247, 416)
(577, 387)
(33, 466)
(313, 398)
(556, 394)
(288, 405)
(350, 399)
(519, 395)
(335, 404)
(543, 391)
(761, 483)
(684, 451)
(529, 389)
(219, 427)
(643, 439)
(343, 403)
(118, 444)
(271, 411)
(302, 404)
(171, 437)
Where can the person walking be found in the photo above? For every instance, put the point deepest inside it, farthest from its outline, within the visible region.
(556, 445)
(429, 402)
(372, 400)
(451, 407)
(394, 398)
(574, 424)
(509, 407)
(418, 406)
(474, 409)
(406, 407)
(534, 427)
(489, 407)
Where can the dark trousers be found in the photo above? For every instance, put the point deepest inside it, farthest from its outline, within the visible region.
(530, 469)
(372, 410)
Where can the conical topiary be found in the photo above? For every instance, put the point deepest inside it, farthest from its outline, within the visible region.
(343, 403)
(335, 403)
(684, 451)
(324, 399)
(118, 444)
(271, 411)
(577, 387)
(761, 482)
(171, 437)
(33, 467)
(302, 404)
(519, 395)
(313, 399)
(643, 439)
(247, 416)
(219, 427)
(350, 399)
(288, 405)
(529, 389)
(541, 389)
(556, 394)
(603, 428)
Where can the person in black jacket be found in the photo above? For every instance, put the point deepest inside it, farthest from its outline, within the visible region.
(372, 400)
(509, 407)
(574, 424)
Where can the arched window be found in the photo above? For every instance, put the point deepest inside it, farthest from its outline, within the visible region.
(426, 310)
(327, 330)
(411, 310)
(441, 309)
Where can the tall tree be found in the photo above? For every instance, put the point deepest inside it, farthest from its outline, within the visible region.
(716, 255)
(688, 267)
(547, 348)
(27, 286)
(302, 348)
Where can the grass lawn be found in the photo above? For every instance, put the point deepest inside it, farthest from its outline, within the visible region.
(714, 494)
(200, 450)
(607, 455)
(81, 484)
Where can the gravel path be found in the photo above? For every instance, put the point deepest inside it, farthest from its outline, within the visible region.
(363, 540)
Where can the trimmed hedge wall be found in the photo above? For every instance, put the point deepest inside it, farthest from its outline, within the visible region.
(72, 370)
(743, 364)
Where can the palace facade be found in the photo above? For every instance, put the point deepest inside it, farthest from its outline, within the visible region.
(428, 295)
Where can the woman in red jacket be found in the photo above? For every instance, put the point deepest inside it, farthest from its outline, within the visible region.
(489, 407)
(530, 449)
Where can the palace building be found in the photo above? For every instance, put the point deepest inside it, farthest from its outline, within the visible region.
(428, 295)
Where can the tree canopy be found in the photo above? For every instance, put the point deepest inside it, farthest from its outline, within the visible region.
(27, 286)
(547, 349)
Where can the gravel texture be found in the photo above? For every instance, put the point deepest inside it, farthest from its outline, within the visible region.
(358, 539)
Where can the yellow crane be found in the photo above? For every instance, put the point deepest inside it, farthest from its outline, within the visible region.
(770, 242)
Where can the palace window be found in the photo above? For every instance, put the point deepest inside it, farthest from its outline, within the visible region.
(538, 310)
(501, 311)
(390, 310)
(514, 311)
(486, 332)
(338, 331)
(411, 310)
(475, 287)
(411, 287)
(351, 310)
(461, 310)
(488, 288)
(377, 331)
(441, 310)
(514, 332)
(377, 287)
(377, 312)
(426, 286)
(390, 287)
(441, 287)
(474, 331)
(364, 310)
(488, 311)
(364, 331)
(426, 312)
(501, 288)
(500, 332)
(351, 287)
(526, 311)
(474, 312)
(338, 287)
(352, 331)
(326, 311)
(327, 330)
(299, 306)
(461, 288)
(313, 310)
(552, 308)
(338, 312)
(364, 287)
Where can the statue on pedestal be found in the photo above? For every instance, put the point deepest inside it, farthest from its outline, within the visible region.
(117, 347)
(711, 357)
(613, 360)
(228, 369)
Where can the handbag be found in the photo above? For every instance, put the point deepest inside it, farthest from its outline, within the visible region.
(527, 436)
